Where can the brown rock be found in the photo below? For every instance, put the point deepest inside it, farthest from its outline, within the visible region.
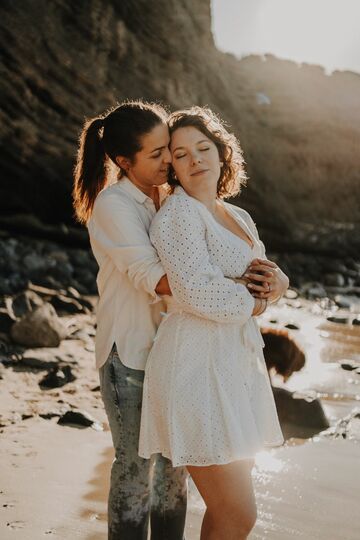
(39, 328)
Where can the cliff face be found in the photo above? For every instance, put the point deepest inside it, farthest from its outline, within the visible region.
(63, 61)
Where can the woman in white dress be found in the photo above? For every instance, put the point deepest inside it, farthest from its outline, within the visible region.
(207, 398)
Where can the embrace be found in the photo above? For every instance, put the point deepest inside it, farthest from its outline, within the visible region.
(182, 277)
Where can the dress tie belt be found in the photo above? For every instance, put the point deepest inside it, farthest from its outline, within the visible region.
(250, 331)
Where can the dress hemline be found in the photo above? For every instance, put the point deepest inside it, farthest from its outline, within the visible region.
(211, 462)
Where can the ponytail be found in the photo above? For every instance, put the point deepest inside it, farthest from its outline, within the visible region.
(90, 169)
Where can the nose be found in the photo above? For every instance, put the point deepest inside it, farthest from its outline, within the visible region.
(196, 158)
(167, 156)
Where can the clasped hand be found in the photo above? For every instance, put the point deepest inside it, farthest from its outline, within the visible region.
(264, 279)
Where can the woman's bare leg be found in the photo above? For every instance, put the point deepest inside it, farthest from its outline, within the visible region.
(229, 497)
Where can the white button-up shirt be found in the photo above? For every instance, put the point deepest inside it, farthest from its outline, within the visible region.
(129, 310)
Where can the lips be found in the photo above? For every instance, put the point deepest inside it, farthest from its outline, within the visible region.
(196, 173)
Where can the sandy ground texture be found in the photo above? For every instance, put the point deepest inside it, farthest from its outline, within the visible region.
(54, 478)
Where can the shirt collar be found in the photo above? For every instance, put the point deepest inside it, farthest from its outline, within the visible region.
(137, 194)
(132, 190)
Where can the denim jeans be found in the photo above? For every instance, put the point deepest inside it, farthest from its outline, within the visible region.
(139, 488)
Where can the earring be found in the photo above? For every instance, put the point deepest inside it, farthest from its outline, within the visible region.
(221, 163)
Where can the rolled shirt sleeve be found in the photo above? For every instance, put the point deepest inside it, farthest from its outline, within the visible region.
(125, 240)
(178, 233)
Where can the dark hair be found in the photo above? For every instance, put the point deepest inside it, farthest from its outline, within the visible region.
(232, 175)
(116, 132)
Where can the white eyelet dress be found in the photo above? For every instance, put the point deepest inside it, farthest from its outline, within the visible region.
(207, 397)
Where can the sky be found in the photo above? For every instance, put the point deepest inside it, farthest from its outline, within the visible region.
(322, 32)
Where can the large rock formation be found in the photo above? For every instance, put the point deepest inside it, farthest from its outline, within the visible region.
(64, 61)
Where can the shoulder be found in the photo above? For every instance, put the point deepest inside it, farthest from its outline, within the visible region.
(112, 203)
(176, 205)
(179, 209)
(112, 195)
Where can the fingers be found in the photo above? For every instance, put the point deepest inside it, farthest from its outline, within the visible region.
(264, 262)
(258, 288)
(265, 296)
(261, 268)
(257, 277)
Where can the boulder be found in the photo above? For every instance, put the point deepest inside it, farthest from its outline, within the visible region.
(299, 417)
(25, 302)
(39, 328)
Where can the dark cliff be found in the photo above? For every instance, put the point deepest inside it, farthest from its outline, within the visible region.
(63, 61)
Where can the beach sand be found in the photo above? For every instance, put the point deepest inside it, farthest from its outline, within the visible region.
(54, 479)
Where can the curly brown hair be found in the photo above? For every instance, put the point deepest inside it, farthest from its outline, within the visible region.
(232, 175)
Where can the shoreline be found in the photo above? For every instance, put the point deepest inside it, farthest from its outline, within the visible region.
(55, 477)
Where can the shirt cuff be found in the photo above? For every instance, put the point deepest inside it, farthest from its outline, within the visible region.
(155, 277)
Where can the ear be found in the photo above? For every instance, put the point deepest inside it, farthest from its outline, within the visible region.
(123, 162)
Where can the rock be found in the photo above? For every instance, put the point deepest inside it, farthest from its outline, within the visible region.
(349, 366)
(338, 320)
(334, 280)
(39, 328)
(356, 321)
(25, 302)
(87, 278)
(292, 326)
(2, 370)
(79, 419)
(25, 416)
(342, 301)
(57, 377)
(338, 267)
(40, 361)
(291, 294)
(73, 293)
(45, 291)
(299, 417)
(60, 257)
(282, 352)
(347, 427)
(35, 263)
(5, 286)
(6, 321)
(79, 257)
(62, 272)
(66, 304)
(79, 334)
(49, 415)
(313, 290)
(78, 286)
(48, 282)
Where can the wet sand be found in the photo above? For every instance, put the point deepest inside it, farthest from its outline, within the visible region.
(54, 479)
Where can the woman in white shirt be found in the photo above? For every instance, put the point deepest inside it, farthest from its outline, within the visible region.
(207, 398)
(134, 139)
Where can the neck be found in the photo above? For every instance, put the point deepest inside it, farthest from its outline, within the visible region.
(208, 200)
(150, 191)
